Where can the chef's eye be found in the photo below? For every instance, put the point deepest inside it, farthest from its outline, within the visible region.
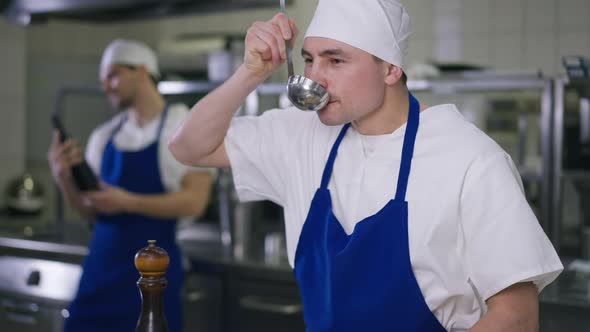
(307, 60)
(336, 61)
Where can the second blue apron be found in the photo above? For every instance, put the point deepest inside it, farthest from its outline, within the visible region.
(108, 298)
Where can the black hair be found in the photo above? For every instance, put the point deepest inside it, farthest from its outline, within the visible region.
(152, 77)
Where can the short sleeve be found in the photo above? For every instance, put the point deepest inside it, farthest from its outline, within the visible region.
(504, 243)
(95, 148)
(172, 170)
(98, 140)
(257, 147)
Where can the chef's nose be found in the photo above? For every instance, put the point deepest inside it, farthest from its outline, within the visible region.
(317, 73)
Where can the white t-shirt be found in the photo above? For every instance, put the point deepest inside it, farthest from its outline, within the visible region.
(471, 230)
(131, 137)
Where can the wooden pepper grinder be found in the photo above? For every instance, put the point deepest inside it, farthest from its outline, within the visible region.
(152, 262)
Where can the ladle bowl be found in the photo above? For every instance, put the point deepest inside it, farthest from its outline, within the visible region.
(306, 94)
(303, 92)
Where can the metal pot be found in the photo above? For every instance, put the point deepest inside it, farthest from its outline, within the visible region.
(24, 195)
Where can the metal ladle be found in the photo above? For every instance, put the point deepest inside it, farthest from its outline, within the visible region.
(304, 93)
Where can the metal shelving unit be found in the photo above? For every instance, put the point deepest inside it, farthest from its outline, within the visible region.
(514, 83)
(582, 88)
(505, 83)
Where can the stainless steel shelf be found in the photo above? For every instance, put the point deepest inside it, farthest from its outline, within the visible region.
(40, 246)
(477, 85)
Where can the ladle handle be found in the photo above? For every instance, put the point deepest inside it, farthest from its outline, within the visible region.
(288, 45)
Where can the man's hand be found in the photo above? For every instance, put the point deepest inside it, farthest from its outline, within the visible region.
(62, 157)
(109, 200)
(265, 44)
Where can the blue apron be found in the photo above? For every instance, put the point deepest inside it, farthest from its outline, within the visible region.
(108, 298)
(362, 282)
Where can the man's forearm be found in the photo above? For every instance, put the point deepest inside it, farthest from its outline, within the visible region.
(169, 205)
(505, 322)
(513, 309)
(205, 127)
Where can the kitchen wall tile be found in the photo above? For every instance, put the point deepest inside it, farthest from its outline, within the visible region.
(36, 36)
(506, 51)
(476, 50)
(447, 27)
(148, 30)
(448, 50)
(447, 30)
(12, 110)
(83, 39)
(217, 22)
(448, 7)
(420, 32)
(418, 8)
(13, 69)
(12, 97)
(446, 21)
(476, 17)
(507, 15)
(53, 42)
(11, 32)
(540, 16)
(420, 51)
(421, 17)
(85, 42)
(422, 27)
(573, 15)
(540, 52)
(573, 43)
(11, 167)
(12, 58)
(12, 152)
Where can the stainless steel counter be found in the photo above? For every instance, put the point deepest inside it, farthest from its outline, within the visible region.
(563, 301)
(202, 247)
(200, 244)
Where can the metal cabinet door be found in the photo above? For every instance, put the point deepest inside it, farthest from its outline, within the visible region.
(563, 317)
(25, 316)
(202, 300)
(263, 305)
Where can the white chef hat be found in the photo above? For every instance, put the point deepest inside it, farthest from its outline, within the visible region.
(378, 27)
(129, 52)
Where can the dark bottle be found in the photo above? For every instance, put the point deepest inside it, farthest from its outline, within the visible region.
(152, 262)
(83, 176)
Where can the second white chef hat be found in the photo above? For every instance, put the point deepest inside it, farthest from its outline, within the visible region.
(129, 52)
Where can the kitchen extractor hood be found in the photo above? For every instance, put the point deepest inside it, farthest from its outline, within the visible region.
(25, 12)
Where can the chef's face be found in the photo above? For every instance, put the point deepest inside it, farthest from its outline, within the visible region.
(354, 79)
(119, 82)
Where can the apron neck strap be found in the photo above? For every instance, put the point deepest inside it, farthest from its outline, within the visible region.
(332, 157)
(124, 118)
(408, 148)
(162, 121)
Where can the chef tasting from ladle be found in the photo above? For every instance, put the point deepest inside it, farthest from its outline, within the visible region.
(398, 216)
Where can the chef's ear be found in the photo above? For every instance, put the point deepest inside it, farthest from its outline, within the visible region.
(143, 71)
(394, 74)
